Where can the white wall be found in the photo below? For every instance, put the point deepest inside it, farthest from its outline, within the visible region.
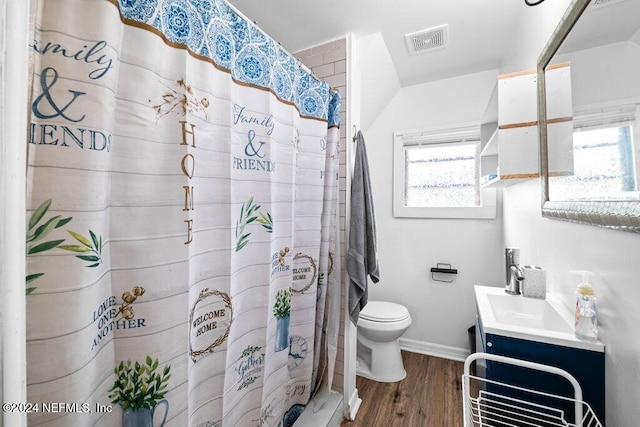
(604, 74)
(535, 25)
(379, 80)
(561, 246)
(408, 248)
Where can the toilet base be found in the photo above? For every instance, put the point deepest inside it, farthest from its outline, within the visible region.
(382, 365)
(363, 371)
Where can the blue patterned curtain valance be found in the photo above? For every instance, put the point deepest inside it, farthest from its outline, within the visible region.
(212, 29)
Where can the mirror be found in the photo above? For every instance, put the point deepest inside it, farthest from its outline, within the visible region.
(589, 115)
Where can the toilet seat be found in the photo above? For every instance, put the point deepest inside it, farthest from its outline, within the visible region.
(384, 312)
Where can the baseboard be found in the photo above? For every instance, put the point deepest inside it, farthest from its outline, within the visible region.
(354, 405)
(431, 349)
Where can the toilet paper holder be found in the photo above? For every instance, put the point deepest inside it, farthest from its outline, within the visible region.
(439, 268)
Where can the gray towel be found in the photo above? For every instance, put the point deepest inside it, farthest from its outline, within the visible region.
(362, 257)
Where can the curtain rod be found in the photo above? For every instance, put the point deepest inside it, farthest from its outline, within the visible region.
(300, 64)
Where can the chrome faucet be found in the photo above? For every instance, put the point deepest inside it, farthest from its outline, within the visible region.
(514, 271)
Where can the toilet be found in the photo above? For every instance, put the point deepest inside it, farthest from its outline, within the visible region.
(380, 325)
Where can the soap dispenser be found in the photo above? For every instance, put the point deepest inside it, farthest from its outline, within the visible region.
(586, 321)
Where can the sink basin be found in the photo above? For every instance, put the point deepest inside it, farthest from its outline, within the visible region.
(527, 312)
(540, 320)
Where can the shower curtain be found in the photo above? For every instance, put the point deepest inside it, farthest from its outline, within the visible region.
(181, 249)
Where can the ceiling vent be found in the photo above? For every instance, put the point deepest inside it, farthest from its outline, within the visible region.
(429, 40)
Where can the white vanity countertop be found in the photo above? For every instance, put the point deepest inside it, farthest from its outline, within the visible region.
(528, 318)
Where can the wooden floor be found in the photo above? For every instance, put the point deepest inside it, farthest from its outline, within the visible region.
(430, 396)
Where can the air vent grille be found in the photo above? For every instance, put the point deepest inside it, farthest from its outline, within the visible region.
(429, 39)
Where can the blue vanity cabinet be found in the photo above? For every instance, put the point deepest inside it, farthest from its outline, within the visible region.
(586, 366)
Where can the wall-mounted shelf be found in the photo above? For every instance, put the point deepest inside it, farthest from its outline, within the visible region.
(489, 180)
(513, 148)
(498, 182)
(509, 152)
(491, 147)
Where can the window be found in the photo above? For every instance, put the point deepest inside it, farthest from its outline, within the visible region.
(437, 174)
(603, 159)
(441, 175)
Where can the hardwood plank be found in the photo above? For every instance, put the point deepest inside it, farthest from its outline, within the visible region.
(430, 396)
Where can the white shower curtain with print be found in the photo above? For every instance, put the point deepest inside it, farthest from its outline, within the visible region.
(182, 188)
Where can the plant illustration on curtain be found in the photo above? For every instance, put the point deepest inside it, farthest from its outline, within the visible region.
(35, 234)
(139, 389)
(248, 215)
(178, 158)
(93, 246)
(282, 312)
(180, 101)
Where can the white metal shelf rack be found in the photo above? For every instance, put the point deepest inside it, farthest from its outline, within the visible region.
(496, 404)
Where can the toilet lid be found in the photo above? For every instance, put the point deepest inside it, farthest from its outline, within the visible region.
(383, 311)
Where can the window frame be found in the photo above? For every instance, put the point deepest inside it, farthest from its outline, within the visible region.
(459, 133)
